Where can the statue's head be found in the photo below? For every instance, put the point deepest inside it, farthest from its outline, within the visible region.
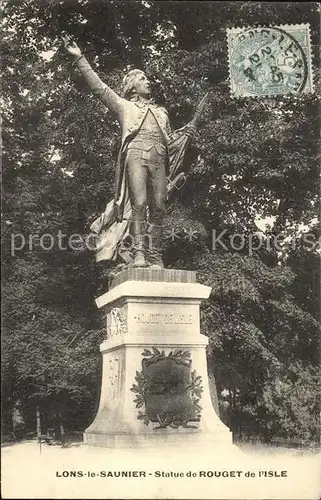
(136, 83)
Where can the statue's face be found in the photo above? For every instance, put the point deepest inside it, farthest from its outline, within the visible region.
(142, 85)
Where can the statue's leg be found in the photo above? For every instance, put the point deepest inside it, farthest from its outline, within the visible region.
(137, 179)
(156, 198)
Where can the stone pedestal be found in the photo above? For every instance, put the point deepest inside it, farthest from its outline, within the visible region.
(155, 388)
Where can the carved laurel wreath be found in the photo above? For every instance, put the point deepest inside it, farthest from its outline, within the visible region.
(141, 388)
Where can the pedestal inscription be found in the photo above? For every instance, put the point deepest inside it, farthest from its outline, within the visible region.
(168, 390)
(164, 318)
(168, 317)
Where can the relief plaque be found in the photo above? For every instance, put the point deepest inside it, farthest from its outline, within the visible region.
(167, 390)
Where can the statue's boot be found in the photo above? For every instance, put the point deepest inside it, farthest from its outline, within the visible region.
(153, 248)
(137, 230)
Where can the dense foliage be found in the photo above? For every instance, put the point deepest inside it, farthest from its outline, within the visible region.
(255, 161)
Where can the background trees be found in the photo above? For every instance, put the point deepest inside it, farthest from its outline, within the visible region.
(256, 161)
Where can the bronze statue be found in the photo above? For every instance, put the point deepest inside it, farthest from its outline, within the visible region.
(143, 171)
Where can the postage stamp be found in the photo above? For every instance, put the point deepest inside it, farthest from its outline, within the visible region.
(270, 61)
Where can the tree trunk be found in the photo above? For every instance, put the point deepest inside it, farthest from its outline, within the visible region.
(38, 418)
(62, 433)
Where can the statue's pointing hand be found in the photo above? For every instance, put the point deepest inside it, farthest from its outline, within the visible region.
(71, 46)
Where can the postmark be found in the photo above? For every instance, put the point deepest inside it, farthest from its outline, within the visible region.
(270, 61)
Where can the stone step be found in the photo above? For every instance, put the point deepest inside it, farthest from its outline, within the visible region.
(147, 274)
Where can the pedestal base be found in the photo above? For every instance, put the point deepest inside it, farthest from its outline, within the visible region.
(155, 389)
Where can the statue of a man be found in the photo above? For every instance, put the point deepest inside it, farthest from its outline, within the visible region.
(143, 160)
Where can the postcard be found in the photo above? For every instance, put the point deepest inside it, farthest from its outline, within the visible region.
(161, 250)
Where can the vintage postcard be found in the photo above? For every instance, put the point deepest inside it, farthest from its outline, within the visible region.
(161, 250)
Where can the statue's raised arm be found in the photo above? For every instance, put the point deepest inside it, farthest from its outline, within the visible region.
(108, 97)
